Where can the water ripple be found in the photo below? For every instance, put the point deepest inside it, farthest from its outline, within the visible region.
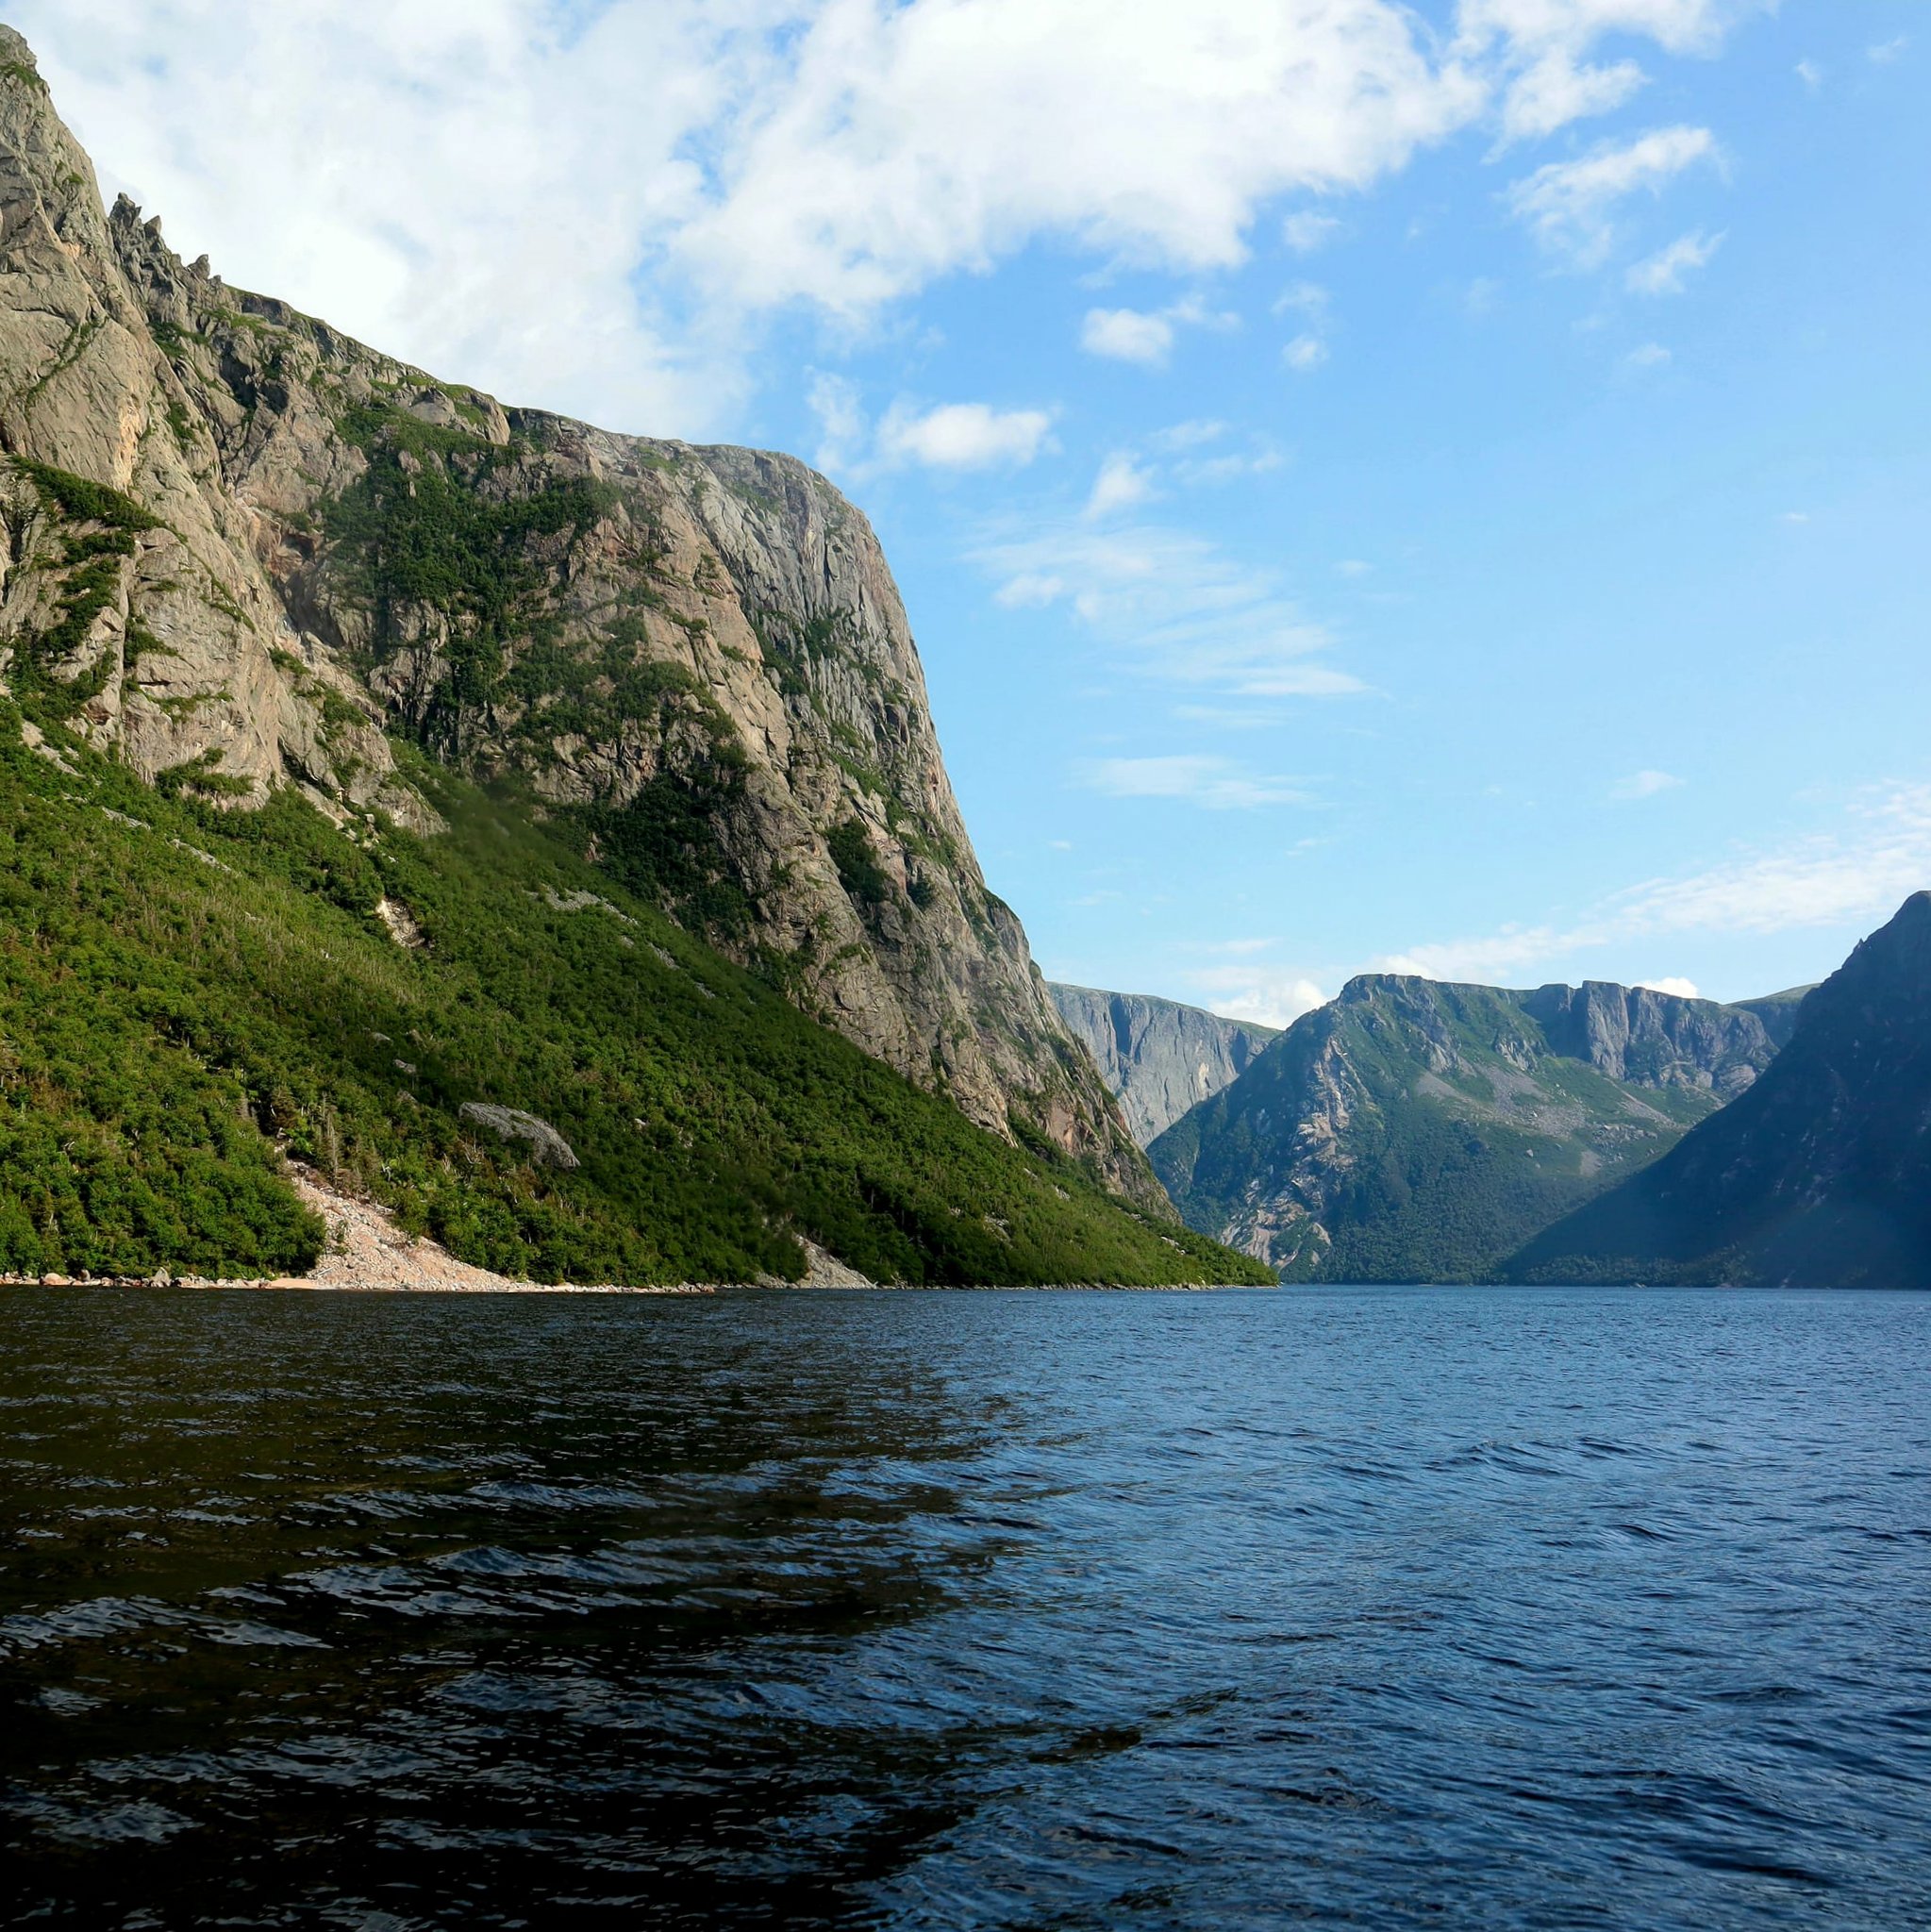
(1461, 1609)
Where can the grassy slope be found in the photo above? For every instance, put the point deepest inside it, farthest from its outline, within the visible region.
(165, 1021)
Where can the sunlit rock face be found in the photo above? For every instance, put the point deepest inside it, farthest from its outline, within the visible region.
(1159, 1057)
(313, 554)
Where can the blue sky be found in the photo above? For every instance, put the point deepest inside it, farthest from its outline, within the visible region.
(1441, 488)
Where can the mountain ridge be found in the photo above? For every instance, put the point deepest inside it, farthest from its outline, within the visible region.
(1415, 1131)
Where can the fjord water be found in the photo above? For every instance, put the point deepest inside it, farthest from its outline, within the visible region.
(1465, 1608)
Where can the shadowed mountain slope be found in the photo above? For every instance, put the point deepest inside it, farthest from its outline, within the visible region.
(1819, 1175)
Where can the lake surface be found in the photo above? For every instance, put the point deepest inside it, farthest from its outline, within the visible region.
(1386, 1608)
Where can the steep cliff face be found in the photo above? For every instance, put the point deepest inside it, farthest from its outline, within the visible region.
(1818, 1176)
(1415, 1131)
(1158, 1057)
(693, 661)
(143, 613)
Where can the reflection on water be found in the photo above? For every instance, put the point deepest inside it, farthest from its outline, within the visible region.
(1483, 1608)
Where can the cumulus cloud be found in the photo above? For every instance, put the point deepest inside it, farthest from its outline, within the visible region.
(1303, 353)
(1170, 605)
(1646, 356)
(592, 207)
(1217, 783)
(1859, 874)
(1268, 999)
(1135, 335)
(1643, 784)
(1683, 989)
(1570, 205)
(964, 436)
(1664, 273)
(1249, 986)
(1126, 335)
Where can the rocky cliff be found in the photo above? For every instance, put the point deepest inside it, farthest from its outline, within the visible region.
(1819, 1175)
(1416, 1131)
(244, 552)
(1158, 1057)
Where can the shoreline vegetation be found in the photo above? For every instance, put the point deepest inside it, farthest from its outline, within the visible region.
(194, 1001)
(367, 1252)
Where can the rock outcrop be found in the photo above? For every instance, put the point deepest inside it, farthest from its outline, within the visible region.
(1416, 1131)
(1158, 1057)
(1818, 1176)
(245, 551)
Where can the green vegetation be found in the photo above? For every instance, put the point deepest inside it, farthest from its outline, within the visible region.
(858, 870)
(88, 568)
(166, 1022)
(438, 520)
(1462, 1133)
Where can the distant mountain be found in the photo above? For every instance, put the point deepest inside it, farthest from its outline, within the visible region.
(1820, 1174)
(1417, 1131)
(1158, 1058)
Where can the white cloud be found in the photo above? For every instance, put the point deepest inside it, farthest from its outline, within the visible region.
(1542, 48)
(842, 426)
(1307, 350)
(1269, 996)
(1663, 273)
(964, 436)
(1683, 989)
(1306, 231)
(1569, 205)
(1858, 874)
(1120, 484)
(1135, 335)
(595, 207)
(1172, 606)
(1183, 436)
(1302, 298)
(1202, 471)
(906, 142)
(1646, 356)
(1217, 783)
(1353, 567)
(1030, 590)
(1479, 298)
(1643, 784)
(1126, 335)
(1810, 73)
(1885, 51)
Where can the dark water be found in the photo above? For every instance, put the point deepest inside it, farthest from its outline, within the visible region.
(1462, 1609)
